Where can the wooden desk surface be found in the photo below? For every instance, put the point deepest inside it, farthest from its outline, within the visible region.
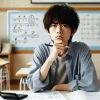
(23, 72)
(29, 63)
(4, 63)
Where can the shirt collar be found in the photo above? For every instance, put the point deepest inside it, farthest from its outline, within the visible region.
(51, 42)
(71, 49)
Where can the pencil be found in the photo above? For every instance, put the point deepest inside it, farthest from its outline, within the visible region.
(52, 45)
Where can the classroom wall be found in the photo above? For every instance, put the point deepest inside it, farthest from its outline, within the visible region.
(19, 60)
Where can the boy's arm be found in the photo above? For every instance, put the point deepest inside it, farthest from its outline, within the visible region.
(86, 79)
(45, 68)
(38, 78)
(57, 48)
(61, 87)
(34, 79)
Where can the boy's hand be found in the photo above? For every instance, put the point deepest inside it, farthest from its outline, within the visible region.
(61, 87)
(58, 48)
(59, 45)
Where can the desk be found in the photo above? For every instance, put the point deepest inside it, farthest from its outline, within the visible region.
(23, 72)
(30, 94)
(4, 63)
(29, 64)
(8, 56)
(2, 66)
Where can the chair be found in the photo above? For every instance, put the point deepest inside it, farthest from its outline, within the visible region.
(4, 76)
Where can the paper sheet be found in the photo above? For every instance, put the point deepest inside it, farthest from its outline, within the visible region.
(83, 95)
(54, 95)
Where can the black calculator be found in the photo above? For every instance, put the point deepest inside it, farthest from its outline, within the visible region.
(12, 96)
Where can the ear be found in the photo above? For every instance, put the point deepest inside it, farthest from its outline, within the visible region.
(74, 31)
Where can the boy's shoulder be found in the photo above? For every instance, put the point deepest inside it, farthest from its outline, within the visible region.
(79, 46)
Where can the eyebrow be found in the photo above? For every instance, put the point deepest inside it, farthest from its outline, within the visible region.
(54, 22)
(58, 22)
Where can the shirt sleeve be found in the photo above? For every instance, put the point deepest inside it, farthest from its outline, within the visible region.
(86, 79)
(34, 81)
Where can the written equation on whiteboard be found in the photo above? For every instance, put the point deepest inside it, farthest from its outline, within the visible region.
(26, 29)
(89, 28)
(22, 29)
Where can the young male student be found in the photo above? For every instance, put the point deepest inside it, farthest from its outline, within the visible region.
(62, 65)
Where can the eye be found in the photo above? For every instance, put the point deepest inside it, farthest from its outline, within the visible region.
(53, 25)
(66, 26)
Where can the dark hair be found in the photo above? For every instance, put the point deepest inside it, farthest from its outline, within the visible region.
(63, 14)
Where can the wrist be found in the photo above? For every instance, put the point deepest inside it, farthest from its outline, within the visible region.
(50, 59)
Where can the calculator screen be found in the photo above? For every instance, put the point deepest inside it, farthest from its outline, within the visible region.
(8, 95)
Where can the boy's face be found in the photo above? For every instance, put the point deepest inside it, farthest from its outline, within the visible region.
(61, 31)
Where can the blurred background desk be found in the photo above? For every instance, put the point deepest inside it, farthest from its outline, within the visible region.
(4, 75)
(23, 72)
(4, 63)
(8, 57)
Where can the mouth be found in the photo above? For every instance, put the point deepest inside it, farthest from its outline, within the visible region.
(59, 37)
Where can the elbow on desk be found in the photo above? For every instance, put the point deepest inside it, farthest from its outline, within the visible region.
(31, 86)
(94, 87)
(33, 89)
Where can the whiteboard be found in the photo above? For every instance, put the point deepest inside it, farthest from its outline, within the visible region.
(65, 1)
(26, 30)
(89, 29)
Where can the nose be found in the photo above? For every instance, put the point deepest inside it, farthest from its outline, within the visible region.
(59, 29)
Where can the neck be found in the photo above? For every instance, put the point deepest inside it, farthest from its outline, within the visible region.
(60, 55)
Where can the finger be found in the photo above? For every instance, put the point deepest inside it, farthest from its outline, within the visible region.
(59, 45)
(58, 42)
(60, 50)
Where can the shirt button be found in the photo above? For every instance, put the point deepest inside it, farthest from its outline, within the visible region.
(53, 68)
(41, 89)
(51, 81)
